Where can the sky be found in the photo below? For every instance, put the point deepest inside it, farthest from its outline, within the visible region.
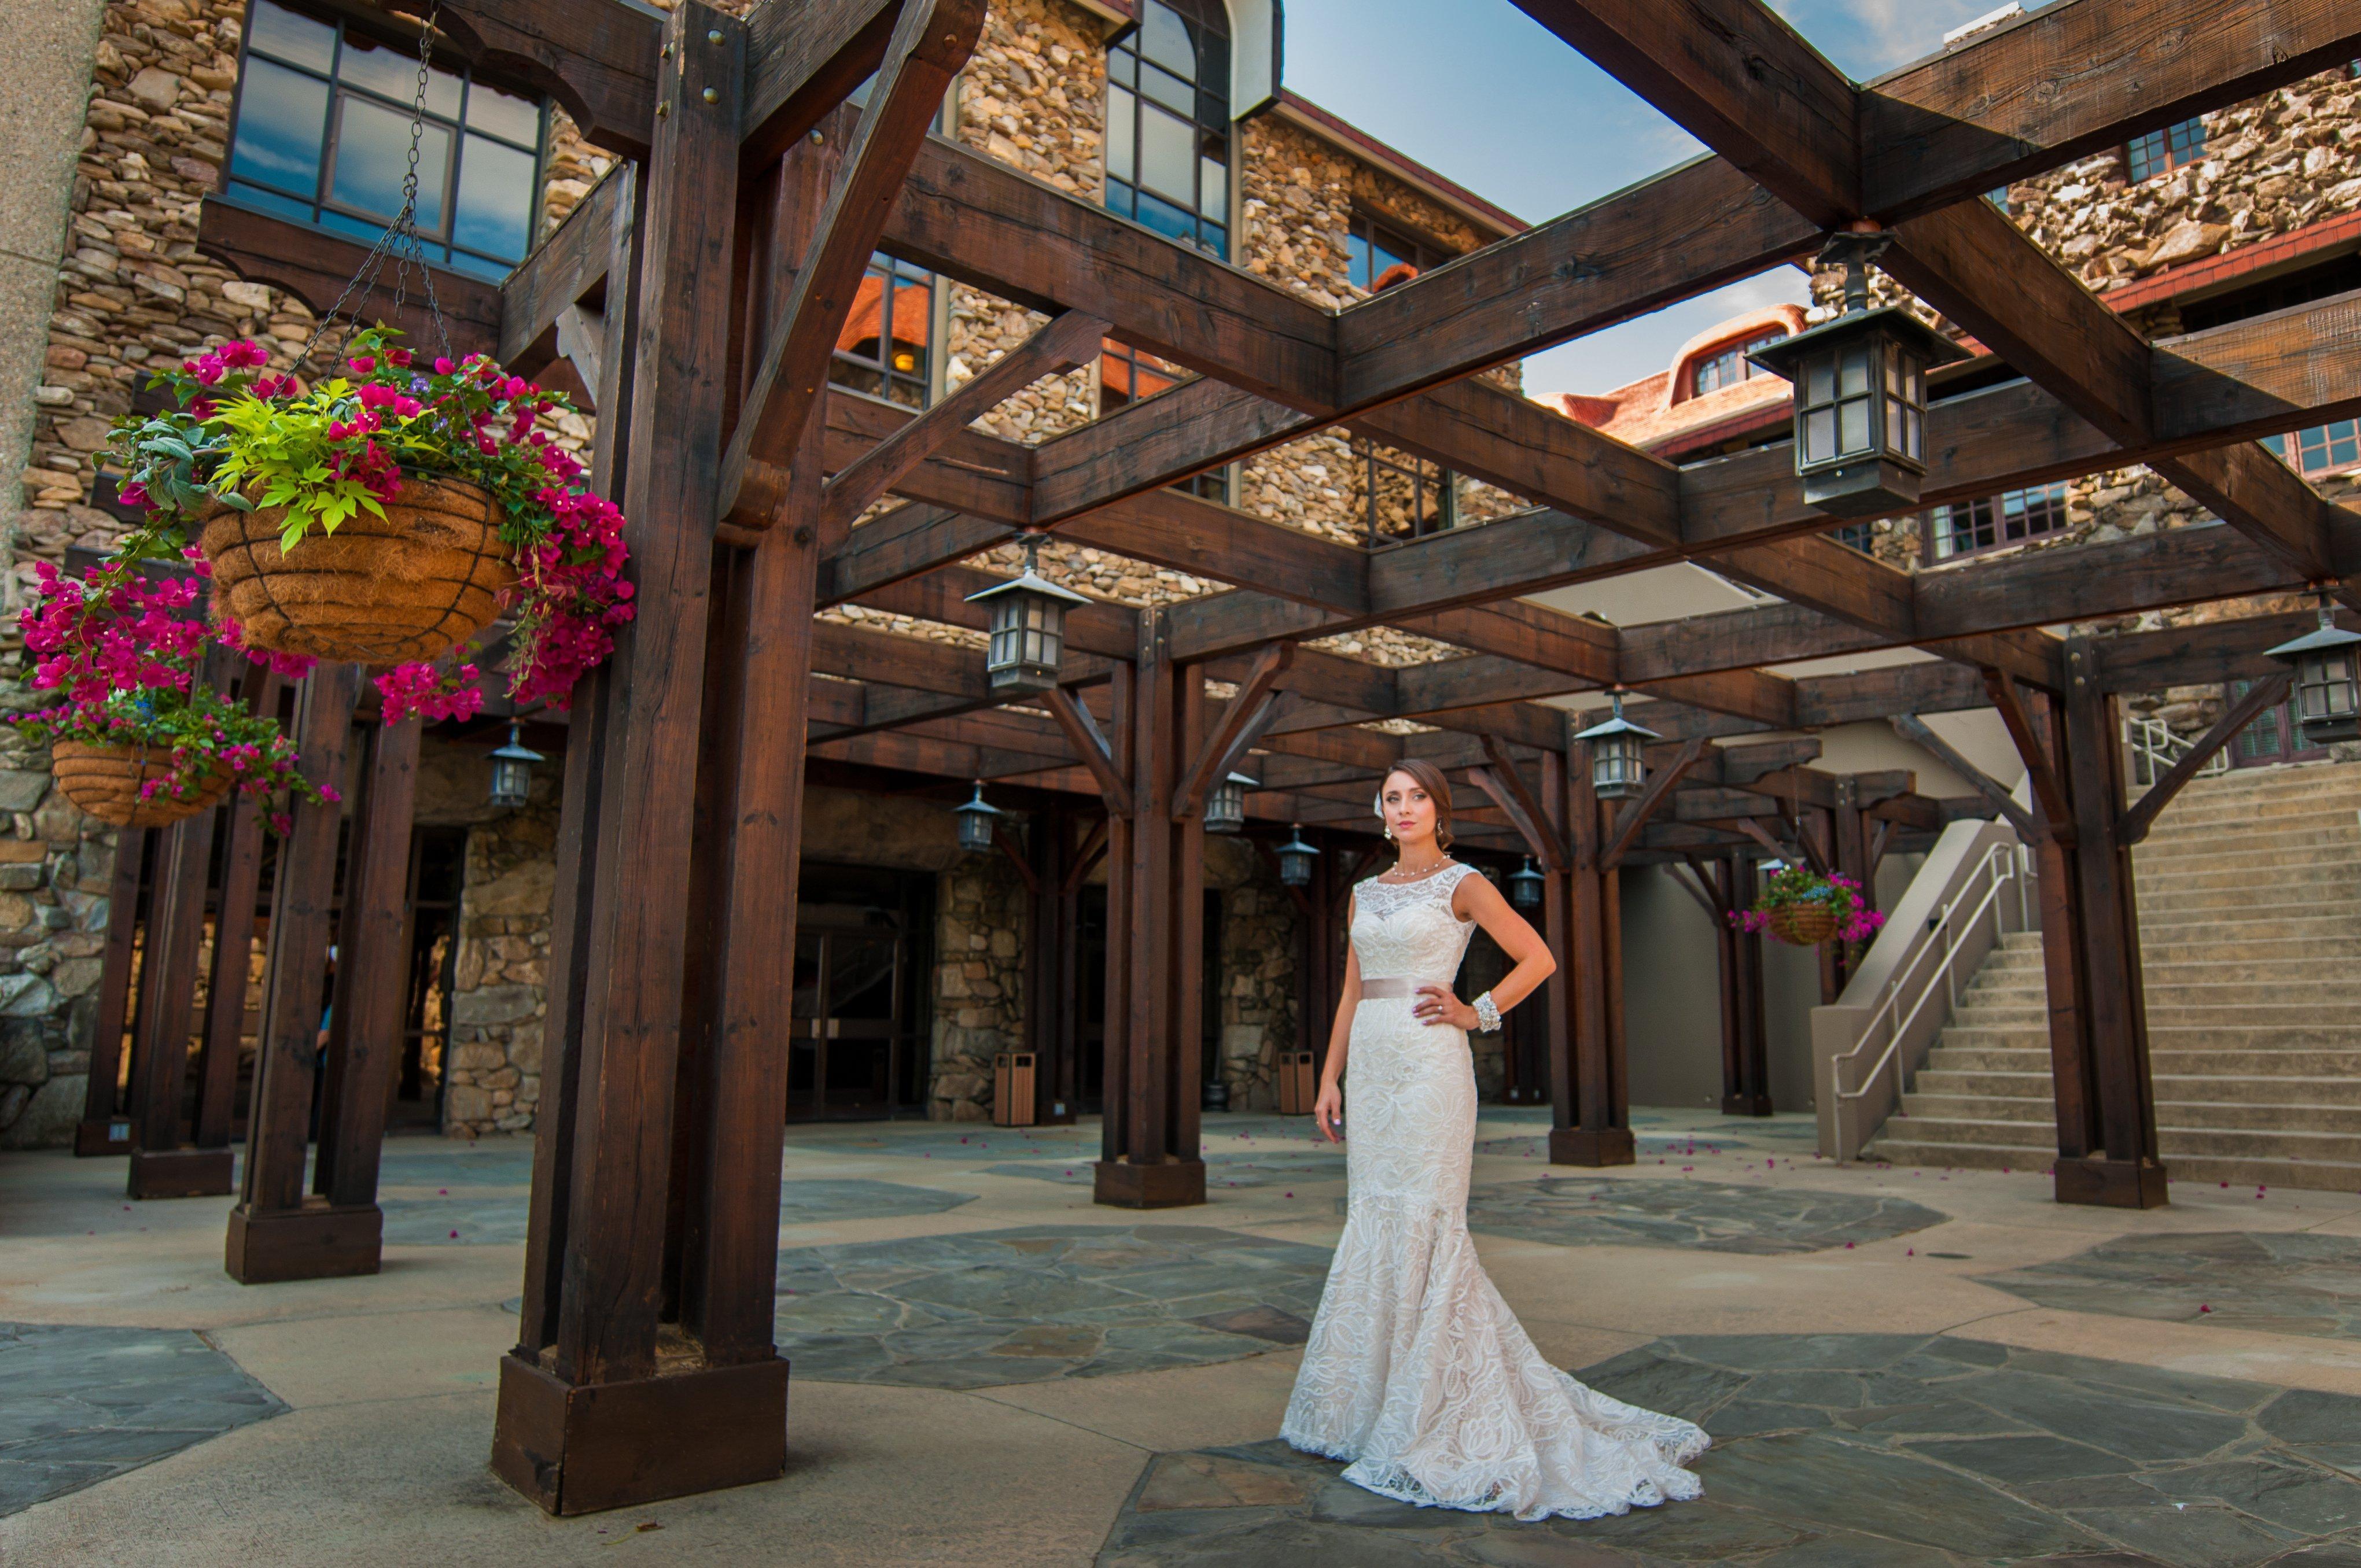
(1479, 92)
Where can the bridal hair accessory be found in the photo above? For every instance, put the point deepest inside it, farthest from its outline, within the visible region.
(1377, 809)
(1487, 1015)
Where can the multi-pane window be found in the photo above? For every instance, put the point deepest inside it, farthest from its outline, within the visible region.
(1167, 138)
(1728, 366)
(1963, 528)
(2323, 449)
(1407, 496)
(1379, 257)
(2160, 152)
(882, 348)
(1128, 376)
(1854, 536)
(323, 137)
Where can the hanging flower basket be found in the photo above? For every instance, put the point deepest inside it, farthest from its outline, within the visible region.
(1802, 908)
(408, 584)
(1803, 924)
(131, 785)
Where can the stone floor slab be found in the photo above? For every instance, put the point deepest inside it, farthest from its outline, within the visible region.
(2290, 1283)
(1789, 1482)
(81, 1405)
(1716, 1216)
(991, 1307)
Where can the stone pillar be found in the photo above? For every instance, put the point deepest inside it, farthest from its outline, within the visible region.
(50, 48)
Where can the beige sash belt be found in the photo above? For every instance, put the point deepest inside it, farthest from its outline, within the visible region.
(1390, 989)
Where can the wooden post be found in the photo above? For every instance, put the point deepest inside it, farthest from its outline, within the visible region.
(1745, 1041)
(372, 985)
(103, 1131)
(1049, 978)
(1559, 998)
(2122, 1171)
(1114, 1075)
(1590, 1122)
(1152, 1156)
(275, 1233)
(241, 882)
(159, 1166)
(585, 1420)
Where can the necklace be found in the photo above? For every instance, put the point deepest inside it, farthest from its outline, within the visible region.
(1420, 875)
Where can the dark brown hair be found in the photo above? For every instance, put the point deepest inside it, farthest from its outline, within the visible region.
(1429, 778)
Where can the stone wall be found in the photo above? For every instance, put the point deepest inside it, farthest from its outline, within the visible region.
(499, 988)
(55, 866)
(981, 928)
(1259, 1000)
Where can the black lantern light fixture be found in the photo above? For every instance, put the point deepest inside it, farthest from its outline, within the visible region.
(1619, 763)
(513, 771)
(2327, 688)
(979, 821)
(1859, 393)
(1525, 886)
(1295, 858)
(1226, 804)
(1029, 628)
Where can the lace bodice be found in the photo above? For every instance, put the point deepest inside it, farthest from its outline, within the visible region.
(1407, 928)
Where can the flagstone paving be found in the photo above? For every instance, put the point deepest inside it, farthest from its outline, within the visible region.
(2299, 1283)
(78, 1405)
(462, 1218)
(1717, 1216)
(1223, 1168)
(1844, 1450)
(1041, 1301)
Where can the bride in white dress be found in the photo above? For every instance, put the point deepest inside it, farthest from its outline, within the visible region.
(1416, 1371)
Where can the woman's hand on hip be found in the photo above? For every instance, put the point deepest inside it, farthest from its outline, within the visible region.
(1437, 1004)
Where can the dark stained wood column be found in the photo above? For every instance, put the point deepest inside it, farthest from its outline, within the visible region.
(159, 1166)
(1590, 1122)
(1057, 862)
(275, 1233)
(372, 985)
(1152, 1159)
(2109, 1015)
(105, 1131)
(234, 906)
(585, 1420)
(1745, 1037)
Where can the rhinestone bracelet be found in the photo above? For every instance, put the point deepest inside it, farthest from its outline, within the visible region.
(1487, 1015)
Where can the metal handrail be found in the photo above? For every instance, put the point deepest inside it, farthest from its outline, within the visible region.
(2156, 747)
(2003, 864)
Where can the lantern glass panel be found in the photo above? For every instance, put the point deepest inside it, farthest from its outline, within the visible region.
(511, 782)
(1618, 768)
(2325, 689)
(974, 830)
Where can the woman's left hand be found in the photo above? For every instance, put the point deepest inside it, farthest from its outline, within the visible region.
(1437, 1004)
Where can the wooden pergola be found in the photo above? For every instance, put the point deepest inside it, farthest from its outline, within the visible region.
(701, 288)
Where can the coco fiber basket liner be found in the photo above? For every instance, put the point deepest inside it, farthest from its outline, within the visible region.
(105, 781)
(380, 590)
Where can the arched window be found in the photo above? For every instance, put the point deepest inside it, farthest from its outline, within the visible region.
(1168, 139)
(1727, 366)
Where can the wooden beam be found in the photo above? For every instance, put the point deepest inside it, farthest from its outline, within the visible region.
(1634, 816)
(931, 42)
(1506, 784)
(2138, 818)
(566, 269)
(803, 57)
(1070, 340)
(2048, 787)
(1250, 714)
(1096, 751)
(597, 58)
(1913, 729)
(1736, 78)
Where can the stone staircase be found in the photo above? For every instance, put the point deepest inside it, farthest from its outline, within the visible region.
(2250, 930)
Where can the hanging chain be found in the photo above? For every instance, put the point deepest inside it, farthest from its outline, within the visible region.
(400, 239)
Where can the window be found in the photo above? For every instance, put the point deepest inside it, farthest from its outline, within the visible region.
(882, 348)
(1854, 536)
(1377, 258)
(1128, 376)
(1728, 366)
(2160, 152)
(2323, 449)
(1407, 496)
(323, 137)
(1167, 142)
(2011, 518)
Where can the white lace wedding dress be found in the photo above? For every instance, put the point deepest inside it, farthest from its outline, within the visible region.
(1416, 1371)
